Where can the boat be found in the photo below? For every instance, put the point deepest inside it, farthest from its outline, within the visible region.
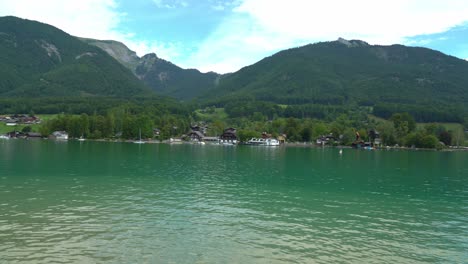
(4, 137)
(362, 145)
(229, 143)
(175, 141)
(81, 138)
(139, 141)
(263, 142)
(272, 142)
(256, 141)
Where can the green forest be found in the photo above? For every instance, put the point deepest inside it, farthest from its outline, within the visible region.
(160, 120)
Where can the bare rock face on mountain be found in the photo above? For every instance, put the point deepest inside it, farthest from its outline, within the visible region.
(118, 51)
(352, 43)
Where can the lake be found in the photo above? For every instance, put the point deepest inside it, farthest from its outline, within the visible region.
(88, 202)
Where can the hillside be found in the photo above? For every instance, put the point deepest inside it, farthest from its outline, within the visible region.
(387, 78)
(162, 76)
(38, 60)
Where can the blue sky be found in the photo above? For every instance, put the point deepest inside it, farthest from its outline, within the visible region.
(453, 41)
(226, 35)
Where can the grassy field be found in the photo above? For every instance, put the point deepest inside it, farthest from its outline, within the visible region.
(219, 114)
(5, 129)
(448, 126)
(283, 106)
(47, 117)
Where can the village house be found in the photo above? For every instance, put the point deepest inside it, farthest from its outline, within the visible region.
(196, 136)
(33, 135)
(282, 138)
(325, 139)
(374, 137)
(265, 135)
(156, 132)
(201, 128)
(229, 136)
(15, 134)
(59, 135)
(197, 133)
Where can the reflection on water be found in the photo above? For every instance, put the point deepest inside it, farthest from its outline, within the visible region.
(123, 203)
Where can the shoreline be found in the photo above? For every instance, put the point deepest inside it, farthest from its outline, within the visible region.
(288, 144)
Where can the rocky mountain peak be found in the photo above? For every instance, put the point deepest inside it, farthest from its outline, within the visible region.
(352, 43)
(149, 56)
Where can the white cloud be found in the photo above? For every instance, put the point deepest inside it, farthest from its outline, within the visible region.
(222, 5)
(96, 19)
(171, 4)
(255, 28)
(378, 21)
(84, 18)
(260, 27)
(168, 51)
(234, 45)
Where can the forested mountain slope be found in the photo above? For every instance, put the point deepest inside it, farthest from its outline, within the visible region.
(38, 60)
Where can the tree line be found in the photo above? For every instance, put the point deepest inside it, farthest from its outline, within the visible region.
(421, 113)
(400, 129)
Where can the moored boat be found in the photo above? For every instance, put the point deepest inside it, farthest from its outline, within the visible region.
(263, 142)
(139, 141)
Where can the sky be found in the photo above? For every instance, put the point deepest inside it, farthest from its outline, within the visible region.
(226, 35)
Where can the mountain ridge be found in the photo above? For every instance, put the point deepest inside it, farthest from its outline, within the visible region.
(161, 75)
(37, 59)
(342, 65)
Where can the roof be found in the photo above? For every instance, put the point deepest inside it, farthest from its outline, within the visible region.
(198, 133)
(58, 133)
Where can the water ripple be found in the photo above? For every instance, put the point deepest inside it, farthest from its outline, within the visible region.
(179, 204)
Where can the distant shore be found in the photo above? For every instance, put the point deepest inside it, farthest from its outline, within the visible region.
(287, 144)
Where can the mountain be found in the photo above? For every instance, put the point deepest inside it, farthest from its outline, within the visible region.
(163, 76)
(351, 72)
(38, 60)
(171, 80)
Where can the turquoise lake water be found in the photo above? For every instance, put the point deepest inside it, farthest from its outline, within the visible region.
(98, 202)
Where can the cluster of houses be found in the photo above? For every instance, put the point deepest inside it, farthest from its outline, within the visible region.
(228, 137)
(14, 120)
(198, 134)
(22, 119)
(374, 140)
(19, 134)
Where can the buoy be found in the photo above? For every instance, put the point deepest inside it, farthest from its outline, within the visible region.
(341, 151)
